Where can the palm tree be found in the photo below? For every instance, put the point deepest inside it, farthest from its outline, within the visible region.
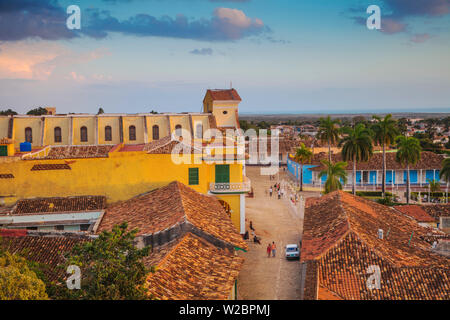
(385, 130)
(356, 146)
(328, 132)
(445, 175)
(408, 153)
(334, 172)
(302, 155)
(434, 185)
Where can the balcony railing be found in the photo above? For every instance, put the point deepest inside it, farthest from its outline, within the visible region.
(233, 187)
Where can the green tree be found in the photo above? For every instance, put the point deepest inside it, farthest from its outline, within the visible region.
(434, 185)
(328, 132)
(334, 172)
(100, 111)
(37, 111)
(356, 147)
(7, 112)
(385, 131)
(444, 174)
(302, 155)
(408, 153)
(112, 267)
(18, 281)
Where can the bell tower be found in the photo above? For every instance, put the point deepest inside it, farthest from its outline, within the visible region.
(223, 104)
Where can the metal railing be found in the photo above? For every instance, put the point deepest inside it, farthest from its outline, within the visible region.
(230, 187)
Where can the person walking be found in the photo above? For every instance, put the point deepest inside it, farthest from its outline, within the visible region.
(269, 250)
(251, 226)
(279, 194)
(274, 249)
(270, 191)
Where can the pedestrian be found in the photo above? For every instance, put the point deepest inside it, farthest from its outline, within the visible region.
(251, 226)
(274, 249)
(279, 194)
(270, 191)
(269, 250)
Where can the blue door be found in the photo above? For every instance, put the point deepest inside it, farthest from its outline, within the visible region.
(373, 177)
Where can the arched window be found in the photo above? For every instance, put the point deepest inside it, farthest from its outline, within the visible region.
(108, 133)
(155, 132)
(57, 133)
(132, 133)
(199, 131)
(178, 130)
(83, 134)
(29, 135)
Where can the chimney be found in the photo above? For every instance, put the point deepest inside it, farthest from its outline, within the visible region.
(380, 234)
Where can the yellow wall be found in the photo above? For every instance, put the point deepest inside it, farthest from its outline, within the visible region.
(113, 122)
(120, 177)
(35, 123)
(161, 122)
(51, 124)
(89, 123)
(4, 127)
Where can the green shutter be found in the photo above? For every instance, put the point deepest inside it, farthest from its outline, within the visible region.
(223, 173)
(193, 176)
(3, 151)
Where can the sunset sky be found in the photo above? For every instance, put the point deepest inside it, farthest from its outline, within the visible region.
(282, 56)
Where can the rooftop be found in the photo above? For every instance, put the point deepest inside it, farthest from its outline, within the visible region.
(224, 95)
(193, 269)
(175, 203)
(415, 212)
(58, 205)
(340, 242)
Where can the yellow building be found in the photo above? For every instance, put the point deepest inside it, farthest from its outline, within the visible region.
(122, 155)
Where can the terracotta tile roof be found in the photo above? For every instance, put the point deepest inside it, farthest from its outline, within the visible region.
(162, 208)
(75, 152)
(428, 161)
(68, 204)
(50, 166)
(48, 250)
(340, 235)
(415, 212)
(437, 210)
(224, 95)
(194, 269)
(6, 176)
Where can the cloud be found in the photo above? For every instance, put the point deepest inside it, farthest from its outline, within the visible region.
(225, 25)
(202, 52)
(21, 19)
(46, 19)
(401, 10)
(419, 38)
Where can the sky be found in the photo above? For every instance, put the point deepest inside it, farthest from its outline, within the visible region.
(283, 56)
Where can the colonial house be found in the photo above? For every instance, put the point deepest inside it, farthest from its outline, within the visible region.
(193, 243)
(369, 174)
(356, 249)
(119, 156)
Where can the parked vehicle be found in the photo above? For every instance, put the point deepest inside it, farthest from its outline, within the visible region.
(292, 251)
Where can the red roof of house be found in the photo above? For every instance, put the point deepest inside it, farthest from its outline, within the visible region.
(415, 212)
(224, 95)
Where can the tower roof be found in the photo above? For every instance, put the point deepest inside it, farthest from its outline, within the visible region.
(224, 94)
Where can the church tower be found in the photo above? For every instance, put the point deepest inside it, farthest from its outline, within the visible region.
(223, 104)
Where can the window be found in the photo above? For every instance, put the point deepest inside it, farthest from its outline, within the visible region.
(108, 133)
(59, 228)
(29, 135)
(193, 176)
(155, 132)
(84, 227)
(199, 131)
(178, 130)
(225, 112)
(132, 133)
(83, 134)
(57, 132)
(222, 173)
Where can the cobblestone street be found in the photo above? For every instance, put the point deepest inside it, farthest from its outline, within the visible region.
(273, 220)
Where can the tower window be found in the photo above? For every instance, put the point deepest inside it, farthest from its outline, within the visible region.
(132, 133)
(29, 135)
(225, 112)
(83, 134)
(58, 137)
(199, 131)
(108, 133)
(155, 132)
